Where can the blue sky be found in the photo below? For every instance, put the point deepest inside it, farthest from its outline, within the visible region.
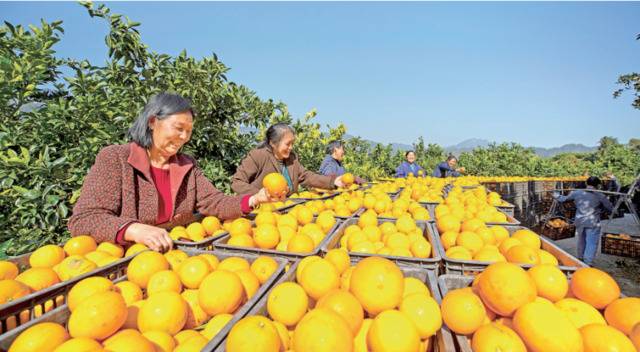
(540, 74)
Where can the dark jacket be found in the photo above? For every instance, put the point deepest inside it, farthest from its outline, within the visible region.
(331, 166)
(405, 169)
(444, 170)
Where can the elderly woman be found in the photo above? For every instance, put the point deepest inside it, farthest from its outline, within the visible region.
(275, 155)
(409, 166)
(332, 163)
(135, 186)
(448, 168)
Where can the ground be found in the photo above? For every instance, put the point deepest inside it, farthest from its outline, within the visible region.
(626, 271)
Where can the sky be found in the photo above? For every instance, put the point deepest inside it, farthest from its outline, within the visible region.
(536, 73)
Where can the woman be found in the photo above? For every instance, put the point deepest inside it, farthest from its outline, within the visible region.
(409, 166)
(589, 205)
(332, 163)
(275, 155)
(448, 168)
(135, 186)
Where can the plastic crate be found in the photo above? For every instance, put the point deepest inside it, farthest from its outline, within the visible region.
(613, 244)
(441, 342)
(447, 283)
(569, 263)
(558, 233)
(221, 243)
(20, 311)
(61, 314)
(432, 263)
(508, 209)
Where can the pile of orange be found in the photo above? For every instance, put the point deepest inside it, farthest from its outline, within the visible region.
(510, 309)
(170, 302)
(296, 231)
(332, 306)
(401, 237)
(198, 231)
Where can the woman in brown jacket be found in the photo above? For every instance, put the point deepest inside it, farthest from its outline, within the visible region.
(133, 187)
(275, 155)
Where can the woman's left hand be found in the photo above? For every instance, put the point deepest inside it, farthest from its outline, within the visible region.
(338, 182)
(261, 197)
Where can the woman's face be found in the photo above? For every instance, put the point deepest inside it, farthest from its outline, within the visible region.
(283, 148)
(171, 133)
(411, 157)
(338, 153)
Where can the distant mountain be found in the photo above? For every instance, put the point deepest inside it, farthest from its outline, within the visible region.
(470, 144)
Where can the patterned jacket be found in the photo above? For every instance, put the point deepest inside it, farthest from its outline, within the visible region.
(119, 190)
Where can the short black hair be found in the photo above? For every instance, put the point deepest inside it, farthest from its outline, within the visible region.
(452, 157)
(593, 181)
(407, 153)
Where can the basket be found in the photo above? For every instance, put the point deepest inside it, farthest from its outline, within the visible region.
(621, 245)
(432, 263)
(569, 263)
(61, 314)
(441, 342)
(445, 284)
(556, 233)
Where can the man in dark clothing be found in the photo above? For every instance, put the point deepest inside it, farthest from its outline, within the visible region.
(448, 168)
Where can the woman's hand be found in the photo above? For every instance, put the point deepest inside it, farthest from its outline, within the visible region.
(461, 169)
(338, 182)
(263, 197)
(153, 237)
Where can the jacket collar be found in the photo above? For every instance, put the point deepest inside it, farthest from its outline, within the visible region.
(179, 166)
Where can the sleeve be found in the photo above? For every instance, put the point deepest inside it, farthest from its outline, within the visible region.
(327, 169)
(97, 211)
(245, 174)
(400, 171)
(211, 201)
(605, 202)
(562, 199)
(311, 179)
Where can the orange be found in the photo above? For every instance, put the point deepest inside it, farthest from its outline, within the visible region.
(497, 337)
(486, 235)
(263, 267)
(249, 281)
(40, 337)
(98, 256)
(413, 285)
(193, 270)
(185, 335)
(595, 287)
(339, 258)
(459, 252)
(489, 254)
(421, 248)
(193, 344)
(623, 313)
(196, 316)
(144, 265)
(283, 333)
(522, 254)
(448, 222)
(221, 292)
(265, 218)
(80, 245)
(507, 244)
(470, 241)
(162, 341)
(305, 216)
(603, 338)
(300, 243)
(129, 291)
(165, 280)
(302, 264)
(346, 305)
(132, 315)
(392, 330)
(547, 258)
(240, 226)
(318, 278)
(74, 265)
(348, 179)
(8, 270)
(499, 233)
(211, 224)
(635, 336)
(215, 325)
(38, 278)
(241, 241)
(360, 340)
(211, 259)
(196, 232)
(164, 311)
(10, 290)
(80, 344)
(128, 340)
(377, 283)
(135, 249)
(87, 288)
(551, 283)
(462, 311)
(472, 225)
(234, 264)
(288, 220)
(287, 303)
(579, 313)
(253, 333)
(46, 256)
(424, 313)
(544, 328)
(322, 330)
(266, 236)
(528, 238)
(405, 224)
(175, 257)
(275, 184)
(448, 239)
(505, 287)
(326, 220)
(111, 248)
(98, 316)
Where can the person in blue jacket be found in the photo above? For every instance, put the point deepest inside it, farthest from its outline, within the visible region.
(332, 162)
(448, 168)
(409, 166)
(589, 206)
